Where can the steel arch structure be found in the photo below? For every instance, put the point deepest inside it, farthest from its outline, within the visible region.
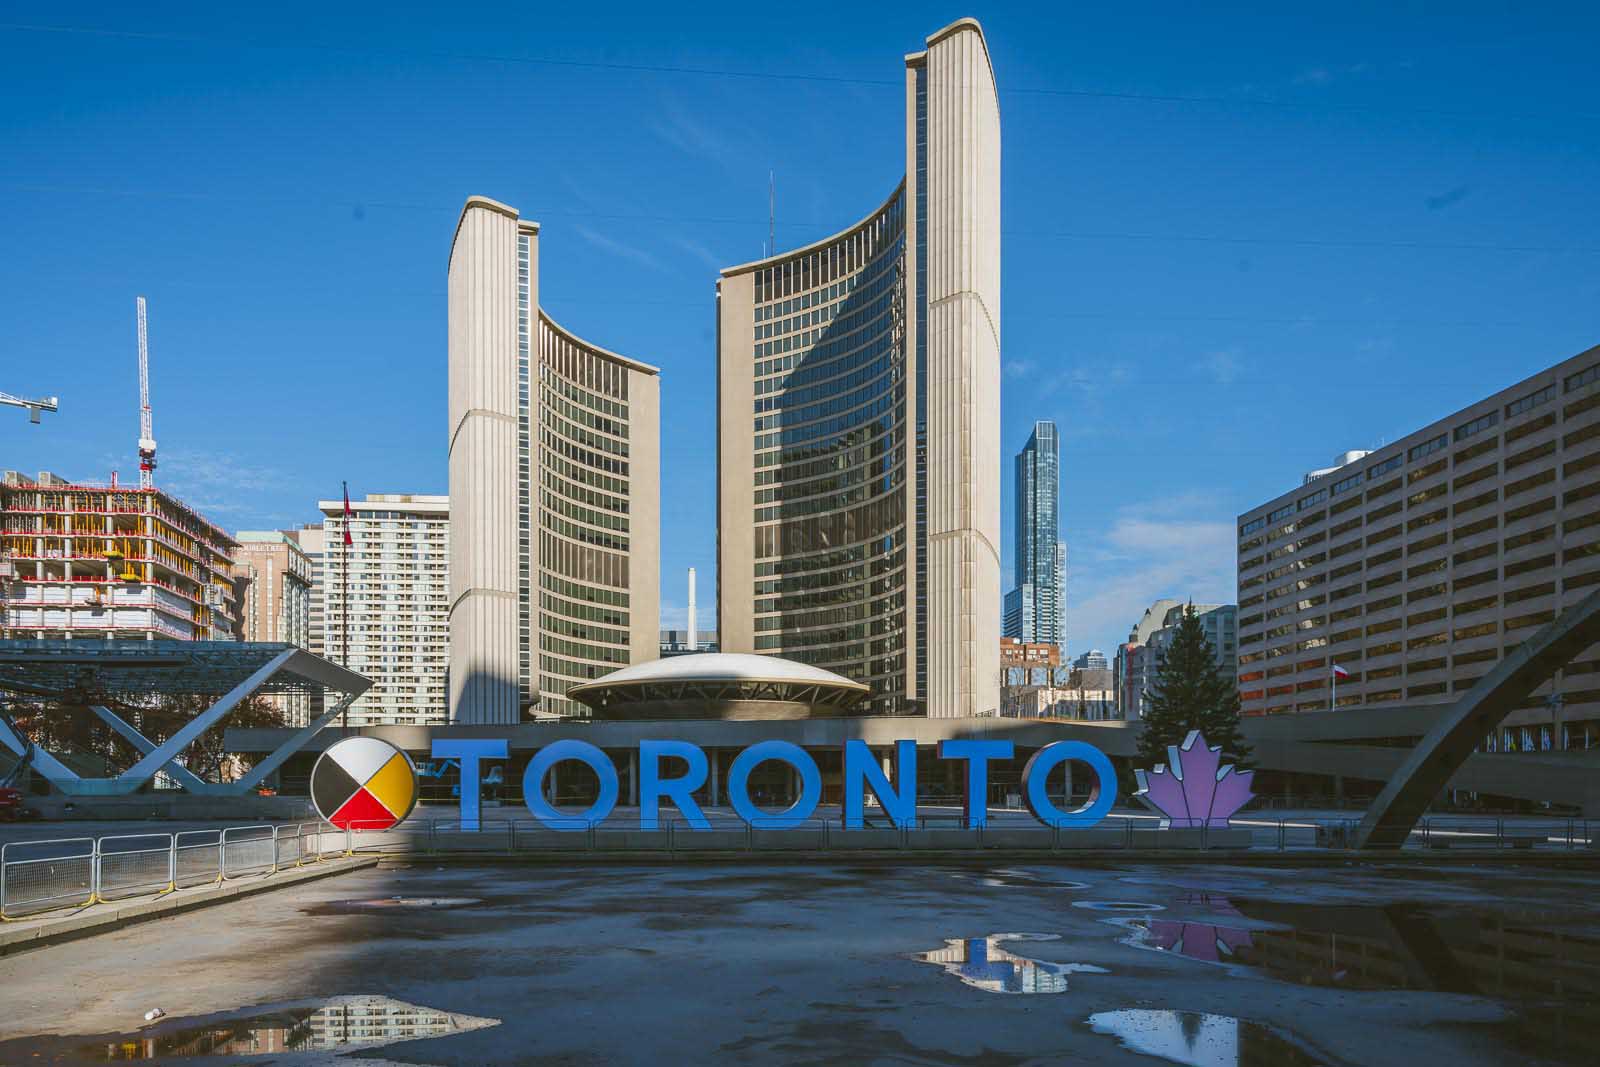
(1460, 727)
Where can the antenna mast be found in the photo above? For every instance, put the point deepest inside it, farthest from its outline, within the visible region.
(147, 440)
(772, 213)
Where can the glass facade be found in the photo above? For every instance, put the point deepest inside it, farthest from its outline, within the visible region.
(830, 425)
(583, 490)
(1035, 607)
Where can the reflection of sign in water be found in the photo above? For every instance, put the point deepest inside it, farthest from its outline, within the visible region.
(980, 962)
(361, 783)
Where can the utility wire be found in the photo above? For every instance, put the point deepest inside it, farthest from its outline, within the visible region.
(767, 75)
(727, 220)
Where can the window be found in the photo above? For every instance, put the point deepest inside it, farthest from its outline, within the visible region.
(1583, 378)
(1345, 483)
(1476, 426)
(1428, 448)
(1385, 467)
(1531, 401)
(1313, 500)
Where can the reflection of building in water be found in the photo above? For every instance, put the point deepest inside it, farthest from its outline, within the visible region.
(369, 1019)
(1401, 947)
(982, 963)
(340, 1023)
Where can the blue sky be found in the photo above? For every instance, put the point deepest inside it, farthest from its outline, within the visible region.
(1237, 239)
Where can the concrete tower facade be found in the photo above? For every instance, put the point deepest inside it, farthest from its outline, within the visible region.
(554, 487)
(859, 513)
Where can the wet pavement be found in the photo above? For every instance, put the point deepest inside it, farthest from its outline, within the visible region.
(821, 964)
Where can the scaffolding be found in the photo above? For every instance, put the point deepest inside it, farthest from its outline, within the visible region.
(111, 561)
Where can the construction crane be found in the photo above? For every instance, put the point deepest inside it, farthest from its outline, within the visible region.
(48, 403)
(147, 439)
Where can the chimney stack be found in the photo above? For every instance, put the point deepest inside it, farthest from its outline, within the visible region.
(693, 640)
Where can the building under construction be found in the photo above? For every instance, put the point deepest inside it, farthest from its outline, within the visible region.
(111, 562)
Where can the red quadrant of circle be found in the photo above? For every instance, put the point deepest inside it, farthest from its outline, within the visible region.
(362, 812)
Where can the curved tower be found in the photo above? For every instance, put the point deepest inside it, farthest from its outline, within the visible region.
(554, 488)
(859, 409)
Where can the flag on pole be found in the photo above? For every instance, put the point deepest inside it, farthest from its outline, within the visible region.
(1340, 672)
(347, 514)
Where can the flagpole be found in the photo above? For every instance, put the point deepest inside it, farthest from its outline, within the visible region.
(1333, 691)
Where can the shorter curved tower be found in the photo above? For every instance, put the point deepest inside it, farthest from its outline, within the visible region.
(555, 488)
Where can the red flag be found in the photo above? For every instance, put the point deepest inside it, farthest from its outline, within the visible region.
(347, 514)
(1340, 672)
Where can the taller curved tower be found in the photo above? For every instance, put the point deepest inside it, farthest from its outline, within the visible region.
(555, 488)
(859, 409)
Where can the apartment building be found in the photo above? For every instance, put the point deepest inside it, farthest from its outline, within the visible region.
(385, 599)
(277, 581)
(1417, 567)
(111, 562)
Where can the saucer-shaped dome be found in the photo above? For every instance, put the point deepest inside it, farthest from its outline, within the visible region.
(720, 685)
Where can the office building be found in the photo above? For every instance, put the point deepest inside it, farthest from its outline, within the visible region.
(858, 521)
(678, 642)
(385, 603)
(1035, 608)
(111, 562)
(1094, 659)
(277, 600)
(1140, 658)
(555, 486)
(1419, 566)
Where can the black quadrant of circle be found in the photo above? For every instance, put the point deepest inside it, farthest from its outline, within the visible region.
(331, 786)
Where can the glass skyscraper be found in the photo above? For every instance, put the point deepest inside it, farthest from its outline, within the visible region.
(1035, 609)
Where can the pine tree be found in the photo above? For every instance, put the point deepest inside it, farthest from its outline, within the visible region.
(1191, 693)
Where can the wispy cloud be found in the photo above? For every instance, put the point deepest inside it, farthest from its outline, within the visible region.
(616, 248)
(1223, 366)
(1448, 198)
(1181, 546)
(707, 257)
(677, 126)
(1325, 75)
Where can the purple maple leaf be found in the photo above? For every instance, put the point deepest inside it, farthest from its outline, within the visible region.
(1196, 788)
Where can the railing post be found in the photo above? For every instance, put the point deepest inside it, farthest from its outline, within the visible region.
(222, 855)
(94, 875)
(172, 863)
(349, 850)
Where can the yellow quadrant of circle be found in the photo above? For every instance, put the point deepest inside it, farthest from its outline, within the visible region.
(394, 785)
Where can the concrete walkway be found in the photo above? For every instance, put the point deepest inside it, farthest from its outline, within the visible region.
(37, 931)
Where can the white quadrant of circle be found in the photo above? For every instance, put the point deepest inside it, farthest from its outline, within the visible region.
(361, 757)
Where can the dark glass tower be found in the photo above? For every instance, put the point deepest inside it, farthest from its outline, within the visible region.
(1035, 608)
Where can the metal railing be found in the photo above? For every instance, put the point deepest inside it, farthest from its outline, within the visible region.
(76, 872)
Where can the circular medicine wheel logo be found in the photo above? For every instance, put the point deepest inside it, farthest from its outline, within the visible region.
(361, 783)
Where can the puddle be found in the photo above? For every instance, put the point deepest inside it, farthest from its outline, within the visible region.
(1117, 905)
(1025, 880)
(337, 1024)
(345, 907)
(1200, 1040)
(980, 962)
(1542, 965)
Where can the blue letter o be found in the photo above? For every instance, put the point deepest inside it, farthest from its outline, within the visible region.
(1048, 759)
(785, 752)
(549, 756)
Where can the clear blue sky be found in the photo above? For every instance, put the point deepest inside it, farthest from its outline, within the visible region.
(1237, 240)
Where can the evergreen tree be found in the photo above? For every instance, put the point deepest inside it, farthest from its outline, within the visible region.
(1191, 693)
